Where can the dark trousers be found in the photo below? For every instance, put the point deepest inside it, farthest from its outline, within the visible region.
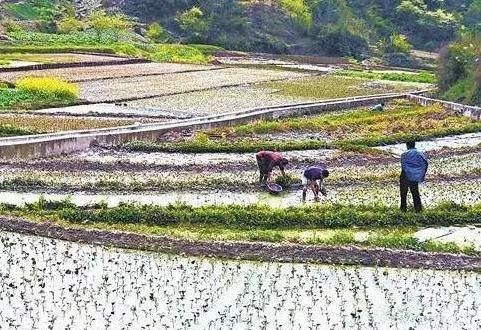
(263, 169)
(406, 185)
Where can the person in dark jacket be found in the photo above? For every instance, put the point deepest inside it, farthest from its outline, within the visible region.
(267, 160)
(414, 166)
(313, 178)
(378, 107)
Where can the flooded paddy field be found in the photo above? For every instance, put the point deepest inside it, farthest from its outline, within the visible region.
(116, 176)
(230, 99)
(61, 285)
(217, 101)
(463, 192)
(37, 124)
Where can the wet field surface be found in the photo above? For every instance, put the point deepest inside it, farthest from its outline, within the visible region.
(60, 285)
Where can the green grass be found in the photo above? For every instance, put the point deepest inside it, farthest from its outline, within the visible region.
(376, 226)
(329, 87)
(421, 77)
(12, 130)
(40, 10)
(179, 54)
(34, 42)
(11, 98)
(206, 49)
(49, 49)
(75, 39)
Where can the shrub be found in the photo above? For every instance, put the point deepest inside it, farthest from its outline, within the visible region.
(101, 21)
(399, 43)
(12, 26)
(156, 33)
(48, 87)
(70, 25)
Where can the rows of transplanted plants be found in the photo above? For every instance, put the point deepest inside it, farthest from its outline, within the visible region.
(452, 178)
(60, 285)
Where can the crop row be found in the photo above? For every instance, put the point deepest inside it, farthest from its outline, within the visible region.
(220, 100)
(262, 217)
(421, 77)
(455, 168)
(329, 86)
(399, 119)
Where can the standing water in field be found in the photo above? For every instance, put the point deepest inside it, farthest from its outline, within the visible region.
(53, 284)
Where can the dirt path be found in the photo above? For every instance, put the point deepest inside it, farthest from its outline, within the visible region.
(349, 255)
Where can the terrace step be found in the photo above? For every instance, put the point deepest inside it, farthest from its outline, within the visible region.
(48, 66)
(44, 145)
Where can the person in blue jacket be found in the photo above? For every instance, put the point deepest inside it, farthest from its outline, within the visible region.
(414, 166)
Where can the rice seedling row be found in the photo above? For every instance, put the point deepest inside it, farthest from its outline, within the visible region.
(41, 289)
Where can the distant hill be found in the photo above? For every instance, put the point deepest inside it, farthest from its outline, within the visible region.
(327, 27)
(345, 27)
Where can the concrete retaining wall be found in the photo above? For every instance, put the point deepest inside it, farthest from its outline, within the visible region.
(461, 109)
(45, 145)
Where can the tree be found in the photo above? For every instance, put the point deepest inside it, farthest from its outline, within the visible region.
(193, 23)
(472, 17)
(299, 10)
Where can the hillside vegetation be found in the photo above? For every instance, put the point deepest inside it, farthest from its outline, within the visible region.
(339, 27)
(329, 27)
(460, 70)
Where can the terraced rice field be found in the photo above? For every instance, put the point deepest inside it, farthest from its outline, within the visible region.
(108, 71)
(266, 94)
(199, 179)
(54, 284)
(145, 87)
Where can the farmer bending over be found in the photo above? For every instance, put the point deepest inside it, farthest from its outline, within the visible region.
(414, 166)
(313, 178)
(267, 160)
